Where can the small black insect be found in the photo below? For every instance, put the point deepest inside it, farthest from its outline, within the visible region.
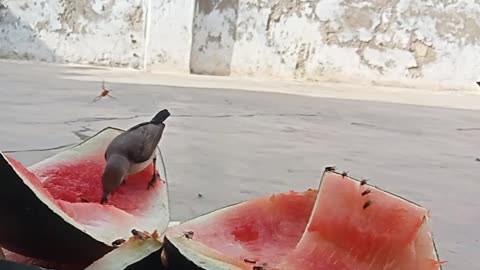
(330, 168)
(189, 234)
(139, 234)
(344, 174)
(118, 242)
(199, 195)
(367, 204)
(366, 192)
(363, 182)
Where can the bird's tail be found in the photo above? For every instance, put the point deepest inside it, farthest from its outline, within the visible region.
(160, 117)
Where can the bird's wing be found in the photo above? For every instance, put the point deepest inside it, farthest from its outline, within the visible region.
(146, 138)
(137, 126)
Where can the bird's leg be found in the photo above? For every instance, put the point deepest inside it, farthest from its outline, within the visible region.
(104, 198)
(155, 174)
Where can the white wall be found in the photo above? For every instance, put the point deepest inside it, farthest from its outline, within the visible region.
(213, 36)
(343, 39)
(170, 35)
(389, 39)
(103, 32)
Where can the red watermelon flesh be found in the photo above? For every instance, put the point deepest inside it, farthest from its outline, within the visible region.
(74, 182)
(342, 232)
(69, 183)
(263, 230)
(390, 234)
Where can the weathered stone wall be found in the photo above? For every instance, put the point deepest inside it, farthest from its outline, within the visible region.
(213, 33)
(170, 35)
(131, 33)
(104, 32)
(434, 40)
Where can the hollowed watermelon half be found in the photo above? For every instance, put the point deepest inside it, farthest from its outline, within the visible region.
(51, 211)
(258, 231)
(349, 225)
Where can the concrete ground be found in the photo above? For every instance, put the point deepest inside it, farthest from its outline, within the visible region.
(231, 145)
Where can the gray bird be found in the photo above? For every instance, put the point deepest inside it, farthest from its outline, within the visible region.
(132, 151)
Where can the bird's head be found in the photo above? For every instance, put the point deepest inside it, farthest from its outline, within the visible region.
(115, 171)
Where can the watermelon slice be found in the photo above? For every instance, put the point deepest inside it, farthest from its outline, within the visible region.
(349, 225)
(358, 226)
(51, 211)
(262, 230)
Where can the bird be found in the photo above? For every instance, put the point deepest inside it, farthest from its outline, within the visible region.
(132, 151)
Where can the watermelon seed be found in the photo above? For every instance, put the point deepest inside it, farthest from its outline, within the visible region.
(84, 200)
(118, 242)
(330, 168)
(188, 235)
(366, 192)
(249, 261)
(363, 182)
(367, 204)
(344, 174)
(256, 267)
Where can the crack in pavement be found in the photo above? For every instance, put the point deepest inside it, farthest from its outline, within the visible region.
(468, 129)
(244, 115)
(99, 119)
(80, 133)
(362, 124)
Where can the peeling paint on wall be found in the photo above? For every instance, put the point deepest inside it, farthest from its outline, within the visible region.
(170, 35)
(106, 32)
(391, 39)
(304, 39)
(213, 38)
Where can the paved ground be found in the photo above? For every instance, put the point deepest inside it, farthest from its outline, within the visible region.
(231, 145)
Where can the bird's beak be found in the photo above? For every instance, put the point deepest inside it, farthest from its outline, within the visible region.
(104, 198)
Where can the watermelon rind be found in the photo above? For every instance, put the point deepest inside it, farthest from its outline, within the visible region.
(9, 265)
(33, 225)
(132, 251)
(182, 253)
(134, 254)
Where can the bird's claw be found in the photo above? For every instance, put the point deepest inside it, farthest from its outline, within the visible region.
(104, 200)
(151, 183)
